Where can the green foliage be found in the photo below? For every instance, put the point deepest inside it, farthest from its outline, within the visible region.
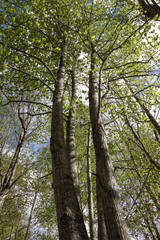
(126, 57)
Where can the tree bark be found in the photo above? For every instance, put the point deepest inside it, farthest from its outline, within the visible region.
(30, 215)
(90, 191)
(114, 222)
(150, 9)
(70, 136)
(69, 216)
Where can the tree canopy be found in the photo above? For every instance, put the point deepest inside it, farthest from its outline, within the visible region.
(79, 118)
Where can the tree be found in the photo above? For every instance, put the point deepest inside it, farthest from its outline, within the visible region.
(69, 216)
(41, 47)
(106, 184)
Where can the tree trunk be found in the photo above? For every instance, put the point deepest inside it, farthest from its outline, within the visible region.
(31, 215)
(70, 136)
(8, 181)
(115, 225)
(150, 9)
(69, 217)
(90, 191)
(102, 231)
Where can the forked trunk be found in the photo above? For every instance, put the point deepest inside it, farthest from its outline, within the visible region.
(107, 195)
(69, 217)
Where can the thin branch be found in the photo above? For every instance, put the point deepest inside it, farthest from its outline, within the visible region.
(31, 75)
(128, 63)
(36, 114)
(30, 55)
(25, 101)
(44, 176)
(109, 51)
(141, 145)
(124, 168)
(138, 195)
(131, 76)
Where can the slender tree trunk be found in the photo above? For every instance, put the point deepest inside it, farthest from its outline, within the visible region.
(7, 181)
(115, 225)
(69, 216)
(70, 135)
(30, 215)
(90, 191)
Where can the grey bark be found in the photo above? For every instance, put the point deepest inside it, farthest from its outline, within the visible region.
(70, 135)
(69, 216)
(90, 191)
(114, 222)
(30, 215)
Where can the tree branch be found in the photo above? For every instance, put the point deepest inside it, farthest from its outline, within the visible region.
(31, 75)
(30, 55)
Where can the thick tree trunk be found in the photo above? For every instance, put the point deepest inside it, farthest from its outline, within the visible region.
(102, 231)
(150, 9)
(115, 225)
(69, 217)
